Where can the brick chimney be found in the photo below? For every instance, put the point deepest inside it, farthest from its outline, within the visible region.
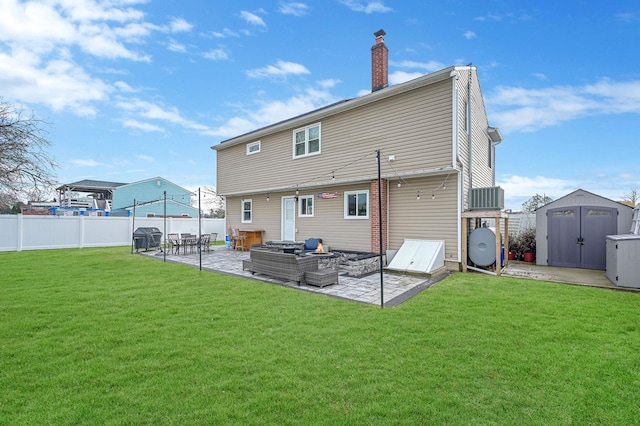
(379, 63)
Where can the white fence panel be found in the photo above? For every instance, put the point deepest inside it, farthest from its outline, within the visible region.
(9, 232)
(19, 232)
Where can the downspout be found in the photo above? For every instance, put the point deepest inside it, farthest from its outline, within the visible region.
(455, 159)
(470, 124)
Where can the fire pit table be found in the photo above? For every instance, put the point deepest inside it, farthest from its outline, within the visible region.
(326, 260)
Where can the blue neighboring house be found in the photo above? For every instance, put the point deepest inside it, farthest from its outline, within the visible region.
(149, 198)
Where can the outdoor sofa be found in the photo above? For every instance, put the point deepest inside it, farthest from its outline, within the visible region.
(280, 265)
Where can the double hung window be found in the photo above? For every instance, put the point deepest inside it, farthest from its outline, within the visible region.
(306, 141)
(247, 211)
(305, 206)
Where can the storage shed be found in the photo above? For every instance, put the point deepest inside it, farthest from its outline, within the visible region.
(571, 231)
(623, 260)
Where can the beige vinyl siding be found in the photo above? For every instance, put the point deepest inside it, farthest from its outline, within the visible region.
(327, 223)
(266, 215)
(414, 126)
(482, 173)
(425, 219)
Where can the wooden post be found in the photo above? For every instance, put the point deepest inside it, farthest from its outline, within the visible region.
(465, 231)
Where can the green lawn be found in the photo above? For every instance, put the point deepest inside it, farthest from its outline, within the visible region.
(100, 336)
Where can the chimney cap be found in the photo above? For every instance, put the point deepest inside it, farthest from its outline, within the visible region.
(380, 33)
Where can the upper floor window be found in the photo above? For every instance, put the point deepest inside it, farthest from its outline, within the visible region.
(247, 211)
(356, 205)
(490, 153)
(305, 206)
(306, 141)
(253, 147)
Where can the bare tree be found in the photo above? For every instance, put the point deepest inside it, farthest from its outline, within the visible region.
(26, 169)
(535, 202)
(212, 204)
(632, 197)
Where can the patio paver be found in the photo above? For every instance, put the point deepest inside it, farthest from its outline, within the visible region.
(397, 287)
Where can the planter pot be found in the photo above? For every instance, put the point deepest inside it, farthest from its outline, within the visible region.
(529, 257)
(512, 256)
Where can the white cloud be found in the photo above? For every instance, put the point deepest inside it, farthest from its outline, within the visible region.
(294, 8)
(427, 66)
(152, 111)
(123, 87)
(367, 7)
(280, 69)
(146, 158)
(519, 189)
(216, 54)
(252, 19)
(469, 35)
(179, 25)
(225, 33)
(139, 125)
(42, 27)
(266, 113)
(58, 83)
(175, 46)
(516, 109)
(39, 41)
(329, 83)
(85, 163)
(401, 76)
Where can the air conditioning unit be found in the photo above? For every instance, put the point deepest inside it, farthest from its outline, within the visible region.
(491, 198)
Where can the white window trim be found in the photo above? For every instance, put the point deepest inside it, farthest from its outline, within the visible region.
(346, 204)
(306, 140)
(313, 206)
(242, 211)
(249, 145)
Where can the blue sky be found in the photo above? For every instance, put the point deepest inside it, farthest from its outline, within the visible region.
(136, 89)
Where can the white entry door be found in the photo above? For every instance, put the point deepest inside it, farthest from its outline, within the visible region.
(288, 219)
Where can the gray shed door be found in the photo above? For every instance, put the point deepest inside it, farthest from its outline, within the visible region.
(577, 236)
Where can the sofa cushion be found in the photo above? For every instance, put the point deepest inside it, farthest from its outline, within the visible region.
(311, 244)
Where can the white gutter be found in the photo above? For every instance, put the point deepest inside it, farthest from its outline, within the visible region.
(339, 182)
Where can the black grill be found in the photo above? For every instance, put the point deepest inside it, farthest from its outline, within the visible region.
(147, 238)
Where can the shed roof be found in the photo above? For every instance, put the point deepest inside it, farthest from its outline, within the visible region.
(88, 185)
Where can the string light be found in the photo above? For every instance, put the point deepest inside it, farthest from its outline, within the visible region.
(268, 198)
(418, 197)
(399, 184)
(433, 195)
(333, 176)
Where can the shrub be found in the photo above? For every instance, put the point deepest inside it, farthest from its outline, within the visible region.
(527, 239)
